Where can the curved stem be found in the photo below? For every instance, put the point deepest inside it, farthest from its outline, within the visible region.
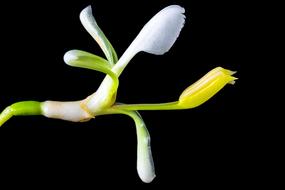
(20, 108)
(107, 71)
(145, 166)
(5, 115)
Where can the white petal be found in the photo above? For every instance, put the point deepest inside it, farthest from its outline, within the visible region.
(88, 21)
(145, 166)
(160, 33)
(78, 58)
(157, 36)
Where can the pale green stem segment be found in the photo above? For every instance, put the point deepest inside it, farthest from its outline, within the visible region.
(82, 59)
(88, 21)
(161, 106)
(145, 165)
(20, 109)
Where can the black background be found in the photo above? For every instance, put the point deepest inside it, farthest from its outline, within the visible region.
(202, 147)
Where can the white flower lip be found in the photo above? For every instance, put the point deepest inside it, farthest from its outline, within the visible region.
(160, 33)
(157, 36)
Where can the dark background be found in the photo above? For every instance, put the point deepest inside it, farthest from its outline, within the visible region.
(202, 147)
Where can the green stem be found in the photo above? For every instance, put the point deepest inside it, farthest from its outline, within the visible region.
(5, 115)
(20, 109)
(161, 106)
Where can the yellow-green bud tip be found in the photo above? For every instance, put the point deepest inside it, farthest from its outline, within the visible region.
(206, 87)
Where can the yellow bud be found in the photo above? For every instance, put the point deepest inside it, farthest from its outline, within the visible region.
(206, 87)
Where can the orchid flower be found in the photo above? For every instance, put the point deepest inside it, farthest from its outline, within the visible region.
(156, 37)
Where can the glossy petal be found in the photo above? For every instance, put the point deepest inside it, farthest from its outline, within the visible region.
(145, 165)
(88, 21)
(82, 59)
(78, 57)
(157, 36)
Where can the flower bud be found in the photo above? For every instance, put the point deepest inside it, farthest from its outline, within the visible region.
(206, 87)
